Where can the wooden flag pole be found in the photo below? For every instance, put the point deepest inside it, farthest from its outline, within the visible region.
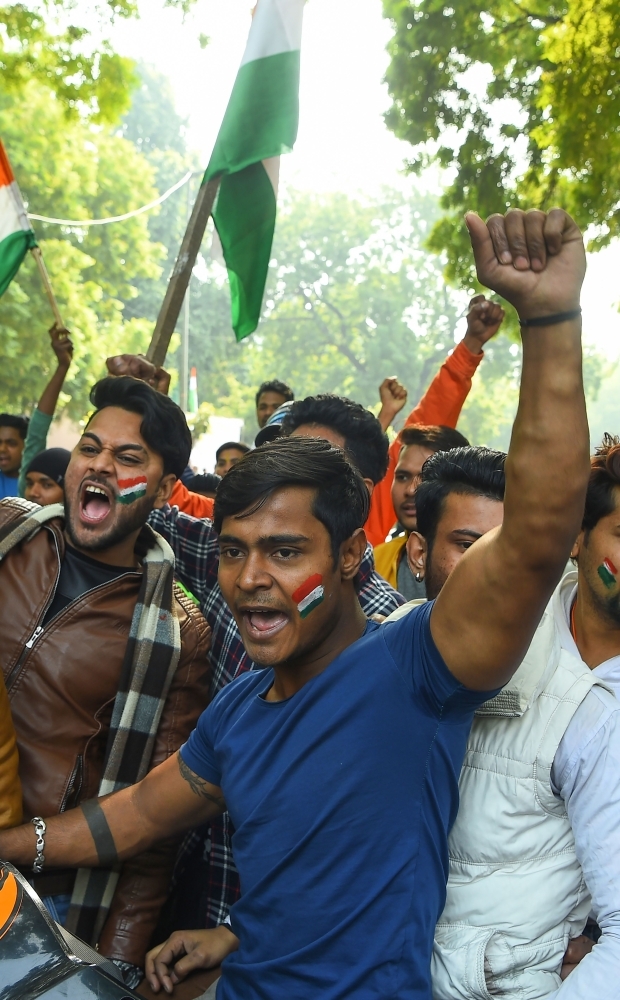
(179, 280)
(45, 278)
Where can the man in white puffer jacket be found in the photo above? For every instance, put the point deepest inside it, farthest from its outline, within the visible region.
(537, 838)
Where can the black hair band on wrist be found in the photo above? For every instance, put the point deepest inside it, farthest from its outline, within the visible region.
(551, 320)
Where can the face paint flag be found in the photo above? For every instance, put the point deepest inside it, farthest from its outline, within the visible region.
(608, 572)
(309, 595)
(260, 123)
(131, 489)
(16, 233)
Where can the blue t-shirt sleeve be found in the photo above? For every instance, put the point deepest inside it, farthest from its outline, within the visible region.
(414, 652)
(198, 753)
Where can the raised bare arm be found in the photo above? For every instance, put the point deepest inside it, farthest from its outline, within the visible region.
(169, 800)
(63, 349)
(488, 610)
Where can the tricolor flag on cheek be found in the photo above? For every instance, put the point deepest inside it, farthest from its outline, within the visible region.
(131, 489)
(260, 123)
(309, 595)
(608, 573)
(16, 233)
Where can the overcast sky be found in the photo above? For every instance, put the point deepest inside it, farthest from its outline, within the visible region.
(343, 143)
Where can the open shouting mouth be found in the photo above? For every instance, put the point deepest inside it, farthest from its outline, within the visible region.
(95, 503)
(263, 623)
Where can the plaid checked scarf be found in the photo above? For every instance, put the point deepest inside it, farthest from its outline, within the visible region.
(150, 661)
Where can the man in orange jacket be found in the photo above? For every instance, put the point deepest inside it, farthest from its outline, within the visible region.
(441, 404)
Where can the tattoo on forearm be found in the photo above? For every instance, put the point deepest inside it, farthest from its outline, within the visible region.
(197, 784)
(101, 833)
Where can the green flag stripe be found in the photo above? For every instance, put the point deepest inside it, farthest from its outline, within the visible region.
(13, 249)
(262, 114)
(245, 216)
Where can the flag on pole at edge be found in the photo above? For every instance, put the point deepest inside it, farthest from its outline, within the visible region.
(16, 234)
(260, 123)
(193, 392)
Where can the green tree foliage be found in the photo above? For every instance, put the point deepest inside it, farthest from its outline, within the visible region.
(69, 169)
(155, 128)
(520, 99)
(45, 41)
(352, 297)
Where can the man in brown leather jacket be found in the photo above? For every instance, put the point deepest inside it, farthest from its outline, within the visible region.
(10, 789)
(72, 633)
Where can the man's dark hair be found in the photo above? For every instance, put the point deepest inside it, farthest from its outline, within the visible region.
(341, 502)
(365, 443)
(204, 483)
(237, 445)
(20, 424)
(466, 471)
(163, 427)
(433, 437)
(274, 385)
(604, 479)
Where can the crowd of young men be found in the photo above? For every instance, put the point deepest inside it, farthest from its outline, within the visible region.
(406, 782)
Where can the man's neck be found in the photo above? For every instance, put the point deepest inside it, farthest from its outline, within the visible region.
(597, 636)
(122, 554)
(290, 677)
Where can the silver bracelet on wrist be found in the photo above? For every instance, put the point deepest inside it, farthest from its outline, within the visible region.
(39, 829)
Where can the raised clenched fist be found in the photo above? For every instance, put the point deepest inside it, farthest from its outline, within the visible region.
(535, 260)
(483, 321)
(138, 366)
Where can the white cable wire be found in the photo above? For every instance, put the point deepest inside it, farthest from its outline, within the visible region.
(115, 218)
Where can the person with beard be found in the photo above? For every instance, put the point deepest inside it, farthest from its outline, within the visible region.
(340, 760)
(104, 659)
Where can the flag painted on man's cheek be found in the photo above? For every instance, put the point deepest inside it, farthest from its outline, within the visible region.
(131, 489)
(309, 595)
(608, 572)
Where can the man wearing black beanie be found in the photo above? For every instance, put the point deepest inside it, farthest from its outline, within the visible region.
(45, 476)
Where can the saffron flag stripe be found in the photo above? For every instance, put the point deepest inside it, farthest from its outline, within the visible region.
(127, 484)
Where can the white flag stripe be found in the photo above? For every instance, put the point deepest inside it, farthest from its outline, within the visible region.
(13, 218)
(276, 27)
(131, 489)
(312, 596)
(272, 169)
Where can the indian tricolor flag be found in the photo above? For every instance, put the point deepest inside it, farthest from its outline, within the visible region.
(16, 233)
(260, 123)
(131, 489)
(309, 595)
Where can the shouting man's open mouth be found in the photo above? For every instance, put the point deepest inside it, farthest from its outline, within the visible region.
(95, 503)
(262, 622)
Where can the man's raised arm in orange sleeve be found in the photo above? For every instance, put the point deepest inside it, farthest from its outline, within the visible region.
(441, 404)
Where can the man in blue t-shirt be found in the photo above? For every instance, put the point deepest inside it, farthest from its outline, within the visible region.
(339, 762)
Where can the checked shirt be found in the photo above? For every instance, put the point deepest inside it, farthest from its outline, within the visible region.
(205, 857)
